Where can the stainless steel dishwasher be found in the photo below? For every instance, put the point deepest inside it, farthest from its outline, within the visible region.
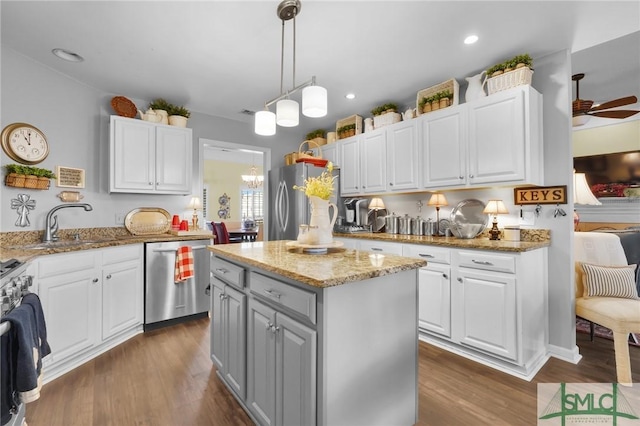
(168, 302)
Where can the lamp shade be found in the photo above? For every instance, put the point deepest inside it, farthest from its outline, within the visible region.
(265, 123)
(314, 101)
(495, 207)
(287, 113)
(194, 203)
(581, 192)
(376, 204)
(438, 200)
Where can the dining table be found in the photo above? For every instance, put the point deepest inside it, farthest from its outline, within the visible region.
(244, 235)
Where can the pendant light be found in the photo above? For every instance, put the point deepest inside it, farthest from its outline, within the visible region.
(314, 98)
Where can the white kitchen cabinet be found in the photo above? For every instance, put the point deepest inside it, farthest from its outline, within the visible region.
(281, 367)
(380, 247)
(228, 331)
(149, 157)
(350, 167)
(493, 140)
(329, 152)
(92, 300)
(403, 156)
(373, 166)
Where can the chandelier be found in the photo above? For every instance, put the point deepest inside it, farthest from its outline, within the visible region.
(253, 180)
(314, 98)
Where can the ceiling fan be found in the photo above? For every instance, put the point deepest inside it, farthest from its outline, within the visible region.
(584, 109)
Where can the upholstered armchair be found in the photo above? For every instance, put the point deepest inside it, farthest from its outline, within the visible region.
(607, 295)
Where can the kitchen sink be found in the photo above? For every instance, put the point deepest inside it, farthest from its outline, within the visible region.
(61, 244)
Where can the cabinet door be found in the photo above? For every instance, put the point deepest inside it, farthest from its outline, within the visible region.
(235, 332)
(261, 363)
(71, 308)
(350, 170)
(486, 312)
(122, 289)
(174, 146)
(132, 156)
(444, 149)
(330, 153)
(295, 372)
(434, 307)
(497, 138)
(403, 156)
(373, 150)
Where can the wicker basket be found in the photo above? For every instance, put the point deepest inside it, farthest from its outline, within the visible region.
(386, 119)
(508, 80)
(26, 181)
(354, 119)
(309, 152)
(450, 85)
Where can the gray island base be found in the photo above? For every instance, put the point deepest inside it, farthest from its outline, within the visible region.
(330, 339)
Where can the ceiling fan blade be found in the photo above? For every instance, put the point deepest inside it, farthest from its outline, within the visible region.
(620, 113)
(616, 103)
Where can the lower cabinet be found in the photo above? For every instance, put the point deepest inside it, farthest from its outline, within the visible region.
(281, 367)
(92, 300)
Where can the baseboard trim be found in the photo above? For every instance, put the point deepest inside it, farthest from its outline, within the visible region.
(569, 355)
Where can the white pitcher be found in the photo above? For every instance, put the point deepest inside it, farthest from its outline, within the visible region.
(475, 89)
(320, 218)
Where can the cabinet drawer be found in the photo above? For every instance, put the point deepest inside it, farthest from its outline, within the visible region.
(298, 300)
(428, 253)
(227, 271)
(487, 261)
(120, 254)
(381, 247)
(66, 263)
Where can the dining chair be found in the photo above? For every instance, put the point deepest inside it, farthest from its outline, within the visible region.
(220, 233)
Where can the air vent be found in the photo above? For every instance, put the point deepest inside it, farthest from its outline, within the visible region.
(248, 112)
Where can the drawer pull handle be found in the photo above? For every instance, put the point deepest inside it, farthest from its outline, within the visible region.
(272, 293)
(376, 249)
(481, 262)
(426, 255)
(221, 270)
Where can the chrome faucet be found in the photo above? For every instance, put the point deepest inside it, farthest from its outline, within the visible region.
(51, 222)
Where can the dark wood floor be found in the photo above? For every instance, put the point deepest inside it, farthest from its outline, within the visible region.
(165, 377)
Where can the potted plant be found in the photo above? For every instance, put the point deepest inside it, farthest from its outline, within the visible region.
(19, 176)
(445, 98)
(347, 130)
(425, 104)
(178, 116)
(161, 107)
(317, 136)
(44, 177)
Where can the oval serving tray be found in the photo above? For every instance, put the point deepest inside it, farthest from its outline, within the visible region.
(468, 212)
(148, 221)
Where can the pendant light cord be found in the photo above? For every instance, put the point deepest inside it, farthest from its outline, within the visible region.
(295, 13)
(282, 60)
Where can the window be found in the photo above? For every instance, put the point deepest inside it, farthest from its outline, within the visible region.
(251, 204)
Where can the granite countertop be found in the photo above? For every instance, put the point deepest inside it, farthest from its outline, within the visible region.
(337, 266)
(19, 245)
(529, 240)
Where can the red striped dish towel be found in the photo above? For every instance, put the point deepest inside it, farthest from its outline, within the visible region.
(184, 264)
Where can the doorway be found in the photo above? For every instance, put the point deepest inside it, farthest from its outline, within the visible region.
(226, 195)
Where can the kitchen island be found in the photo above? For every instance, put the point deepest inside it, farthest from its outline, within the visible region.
(321, 339)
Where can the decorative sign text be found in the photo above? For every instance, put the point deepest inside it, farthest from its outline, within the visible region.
(540, 195)
(68, 177)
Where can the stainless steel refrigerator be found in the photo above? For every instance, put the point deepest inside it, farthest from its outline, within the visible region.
(289, 207)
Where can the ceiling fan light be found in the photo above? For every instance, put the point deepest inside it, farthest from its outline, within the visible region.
(580, 120)
(265, 123)
(287, 113)
(314, 101)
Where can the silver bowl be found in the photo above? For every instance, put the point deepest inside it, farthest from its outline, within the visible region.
(466, 230)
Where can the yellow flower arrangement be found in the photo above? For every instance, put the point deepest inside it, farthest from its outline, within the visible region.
(321, 186)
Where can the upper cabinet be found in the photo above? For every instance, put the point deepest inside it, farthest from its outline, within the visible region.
(495, 140)
(149, 158)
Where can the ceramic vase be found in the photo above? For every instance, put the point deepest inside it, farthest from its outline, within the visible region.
(178, 121)
(323, 234)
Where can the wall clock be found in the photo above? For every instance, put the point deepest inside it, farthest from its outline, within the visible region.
(24, 143)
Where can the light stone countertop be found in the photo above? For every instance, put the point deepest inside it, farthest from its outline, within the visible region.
(530, 240)
(337, 266)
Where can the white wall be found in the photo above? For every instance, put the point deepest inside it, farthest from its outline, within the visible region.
(75, 119)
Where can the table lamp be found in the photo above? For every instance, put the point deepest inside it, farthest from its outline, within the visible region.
(495, 207)
(437, 200)
(196, 205)
(375, 205)
(582, 195)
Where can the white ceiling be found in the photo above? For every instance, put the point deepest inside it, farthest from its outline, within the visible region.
(221, 57)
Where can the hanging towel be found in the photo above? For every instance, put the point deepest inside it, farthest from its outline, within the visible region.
(184, 264)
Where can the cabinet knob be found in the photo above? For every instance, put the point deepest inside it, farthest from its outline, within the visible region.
(109, 276)
(459, 280)
(445, 276)
(460, 177)
(95, 280)
(390, 183)
(269, 325)
(274, 330)
(471, 176)
(150, 183)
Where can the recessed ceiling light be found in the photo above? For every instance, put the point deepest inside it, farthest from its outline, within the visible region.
(350, 96)
(471, 39)
(67, 55)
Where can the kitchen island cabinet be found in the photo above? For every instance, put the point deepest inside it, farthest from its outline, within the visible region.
(310, 359)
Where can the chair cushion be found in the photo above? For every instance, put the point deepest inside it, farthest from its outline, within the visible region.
(605, 281)
(622, 315)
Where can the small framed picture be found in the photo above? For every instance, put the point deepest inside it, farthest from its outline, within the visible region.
(68, 177)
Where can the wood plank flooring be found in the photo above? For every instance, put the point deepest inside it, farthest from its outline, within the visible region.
(165, 377)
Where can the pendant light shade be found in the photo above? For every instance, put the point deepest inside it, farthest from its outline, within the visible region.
(265, 123)
(287, 114)
(314, 101)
